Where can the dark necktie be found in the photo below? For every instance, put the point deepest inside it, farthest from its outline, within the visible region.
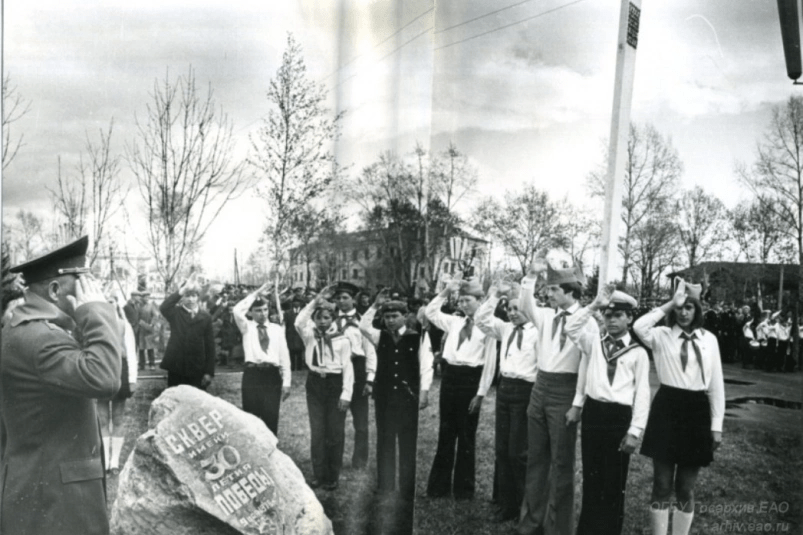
(264, 341)
(318, 352)
(612, 346)
(344, 320)
(465, 332)
(518, 334)
(684, 352)
(557, 323)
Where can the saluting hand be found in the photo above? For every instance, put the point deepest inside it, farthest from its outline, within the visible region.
(87, 290)
(679, 298)
(538, 265)
(603, 298)
(381, 297)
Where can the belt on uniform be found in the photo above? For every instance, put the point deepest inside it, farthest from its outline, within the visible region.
(260, 365)
(324, 375)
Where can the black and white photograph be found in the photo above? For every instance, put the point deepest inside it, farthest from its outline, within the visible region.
(385, 267)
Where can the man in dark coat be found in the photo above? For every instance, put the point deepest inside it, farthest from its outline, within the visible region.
(60, 351)
(190, 355)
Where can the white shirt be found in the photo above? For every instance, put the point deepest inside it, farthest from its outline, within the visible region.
(130, 343)
(277, 353)
(425, 355)
(336, 360)
(479, 350)
(551, 358)
(763, 332)
(631, 380)
(666, 343)
(514, 363)
(359, 345)
(783, 332)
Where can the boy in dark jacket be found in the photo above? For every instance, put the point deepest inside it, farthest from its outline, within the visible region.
(190, 355)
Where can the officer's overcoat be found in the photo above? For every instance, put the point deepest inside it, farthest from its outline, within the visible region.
(52, 468)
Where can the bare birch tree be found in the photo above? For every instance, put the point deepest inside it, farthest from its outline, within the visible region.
(182, 158)
(758, 232)
(702, 224)
(776, 178)
(70, 204)
(652, 171)
(86, 204)
(14, 108)
(524, 223)
(292, 151)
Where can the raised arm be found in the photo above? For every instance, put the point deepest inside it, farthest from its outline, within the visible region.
(484, 317)
(433, 311)
(367, 328)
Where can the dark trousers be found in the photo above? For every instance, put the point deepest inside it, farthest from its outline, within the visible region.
(359, 414)
(151, 359)
(327, 425)
(458, 386)
(548, 504)
(604, 467)
(396, 423)
(176, 379)
(262, 394)
(297, 359)
(749, 354)
(785, 352)
(512, 398)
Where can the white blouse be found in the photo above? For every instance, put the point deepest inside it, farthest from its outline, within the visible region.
(666, 343)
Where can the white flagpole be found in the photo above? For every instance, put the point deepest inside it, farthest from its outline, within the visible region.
(629, 17)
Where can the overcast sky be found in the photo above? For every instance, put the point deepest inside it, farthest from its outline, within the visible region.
(526, 92)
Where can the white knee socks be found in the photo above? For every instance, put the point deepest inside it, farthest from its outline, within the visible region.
(681, 522)
(117, 446)
(107, 451)
(660, 521)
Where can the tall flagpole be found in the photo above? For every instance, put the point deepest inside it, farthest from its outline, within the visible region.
(620, 128)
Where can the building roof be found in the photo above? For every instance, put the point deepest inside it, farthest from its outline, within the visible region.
(768, 275)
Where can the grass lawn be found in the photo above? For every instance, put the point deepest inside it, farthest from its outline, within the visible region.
(756, 480)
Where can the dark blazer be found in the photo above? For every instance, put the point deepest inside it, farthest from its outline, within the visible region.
(191, 348)
(52, 471)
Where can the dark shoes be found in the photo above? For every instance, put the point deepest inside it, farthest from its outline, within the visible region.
(330, 486)
(501, 516)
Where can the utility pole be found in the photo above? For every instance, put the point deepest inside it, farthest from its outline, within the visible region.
(629, 16)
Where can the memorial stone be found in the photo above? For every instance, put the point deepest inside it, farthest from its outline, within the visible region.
(206, 467)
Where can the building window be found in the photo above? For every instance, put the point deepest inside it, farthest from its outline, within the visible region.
(378, 252)
(446, 267)
(344, 274)
(354, 255)
(367, 254)
(355, 274)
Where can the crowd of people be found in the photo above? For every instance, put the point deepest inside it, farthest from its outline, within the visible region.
(72, 350)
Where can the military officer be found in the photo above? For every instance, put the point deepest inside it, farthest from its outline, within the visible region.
(61, 350)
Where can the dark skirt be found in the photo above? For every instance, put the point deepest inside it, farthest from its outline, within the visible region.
(125, 388)
(679, 428)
